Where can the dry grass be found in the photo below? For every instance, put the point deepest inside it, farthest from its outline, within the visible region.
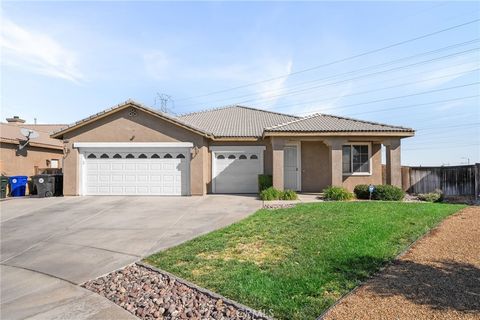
(258, 252)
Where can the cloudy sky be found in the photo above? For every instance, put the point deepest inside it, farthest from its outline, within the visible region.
(63, 61)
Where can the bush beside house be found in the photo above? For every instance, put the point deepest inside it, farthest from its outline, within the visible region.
(382, 192)
(337, 194)
(435, 196)
(265, 181)
(275, 194)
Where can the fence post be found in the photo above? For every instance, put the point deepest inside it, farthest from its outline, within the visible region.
(477, 180)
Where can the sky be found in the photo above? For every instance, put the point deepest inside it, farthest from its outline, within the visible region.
(414, 64)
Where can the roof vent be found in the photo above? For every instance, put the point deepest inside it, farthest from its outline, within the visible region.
(15, 119)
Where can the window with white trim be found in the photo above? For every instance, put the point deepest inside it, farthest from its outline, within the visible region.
(356, 159)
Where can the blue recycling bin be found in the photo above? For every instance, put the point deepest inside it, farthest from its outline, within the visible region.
(18, 185)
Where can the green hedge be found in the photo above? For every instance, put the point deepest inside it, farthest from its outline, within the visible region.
(274, 194)
(264, 182)
(435, 196)
(336, 194)
(383, 192)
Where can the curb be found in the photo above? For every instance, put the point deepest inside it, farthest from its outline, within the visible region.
(388, 264)
(207, 292)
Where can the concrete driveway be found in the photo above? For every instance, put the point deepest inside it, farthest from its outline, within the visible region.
(50, 245)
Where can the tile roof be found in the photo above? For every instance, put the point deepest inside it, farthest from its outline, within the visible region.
(245, 122)
(236, 121)
(320, 122)
(10, 133)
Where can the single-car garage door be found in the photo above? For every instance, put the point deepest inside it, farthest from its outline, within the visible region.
(131, 171)
(236, 169)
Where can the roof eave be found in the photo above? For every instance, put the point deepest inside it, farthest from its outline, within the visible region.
(404, 134)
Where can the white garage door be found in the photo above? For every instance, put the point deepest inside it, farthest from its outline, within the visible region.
(236, 170)
(120, 172)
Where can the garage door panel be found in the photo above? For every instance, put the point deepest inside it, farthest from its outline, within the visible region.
(129, 166)
(236, 172)
(117, 166)
(133, 176)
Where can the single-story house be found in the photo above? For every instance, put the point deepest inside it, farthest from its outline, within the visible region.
(131, 149)
(20, 158)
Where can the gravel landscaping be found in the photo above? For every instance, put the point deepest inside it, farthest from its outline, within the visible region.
(149, 294)
(438, 278)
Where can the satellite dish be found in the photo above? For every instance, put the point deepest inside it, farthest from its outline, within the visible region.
(29, 133)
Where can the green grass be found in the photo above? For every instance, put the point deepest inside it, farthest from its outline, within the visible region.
(294, 263)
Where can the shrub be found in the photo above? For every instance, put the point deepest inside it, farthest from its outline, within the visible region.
(361, 191)
(264, 182)
(270, 194)
(274, 194)
(435, 196)
(387, 192)
(289, 195)
(337, 194)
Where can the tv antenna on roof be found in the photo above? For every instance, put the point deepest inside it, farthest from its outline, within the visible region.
(28, 134)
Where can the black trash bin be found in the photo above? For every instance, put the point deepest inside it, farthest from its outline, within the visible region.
(3, 186)
(48, 185)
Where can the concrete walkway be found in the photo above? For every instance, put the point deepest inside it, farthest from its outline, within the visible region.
(49, 246)
(439, 278)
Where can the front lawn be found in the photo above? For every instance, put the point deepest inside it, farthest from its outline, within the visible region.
(294, 263)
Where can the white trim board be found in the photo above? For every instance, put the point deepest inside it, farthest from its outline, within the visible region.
(132, 144)
(237, 148)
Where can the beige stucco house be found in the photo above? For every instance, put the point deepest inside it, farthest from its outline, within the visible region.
(131, 149)
(40, 152)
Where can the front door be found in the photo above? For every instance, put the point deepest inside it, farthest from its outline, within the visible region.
(290, 167)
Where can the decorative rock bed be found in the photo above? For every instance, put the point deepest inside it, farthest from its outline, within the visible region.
(278, 205)
(149, 293)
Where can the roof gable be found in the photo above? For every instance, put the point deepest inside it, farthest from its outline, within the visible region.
(127, 104)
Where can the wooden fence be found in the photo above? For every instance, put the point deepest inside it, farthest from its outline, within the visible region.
(453, 181)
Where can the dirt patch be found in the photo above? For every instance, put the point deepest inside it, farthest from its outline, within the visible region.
(438, 278)
(258, 252)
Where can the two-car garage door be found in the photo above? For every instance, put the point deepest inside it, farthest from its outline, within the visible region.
(130, 171)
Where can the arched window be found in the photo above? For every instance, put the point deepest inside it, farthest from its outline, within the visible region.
(129, 156)
(253, 157)
(117, 156)
(220, 156)
(167, 156)
(180, 156)
(242, 157)
(142, 156)
(104, 156)
(231, 156)
(92, 156)
(155, 156)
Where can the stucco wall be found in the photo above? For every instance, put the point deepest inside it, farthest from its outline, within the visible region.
(315, 166)
(121, 127)
(11, 164)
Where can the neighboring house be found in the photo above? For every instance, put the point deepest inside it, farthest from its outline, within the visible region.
(131, 149)
(40, 152)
